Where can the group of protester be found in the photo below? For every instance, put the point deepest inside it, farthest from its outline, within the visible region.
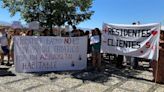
(7, 46)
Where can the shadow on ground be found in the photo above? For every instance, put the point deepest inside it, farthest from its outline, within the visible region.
(5, 72)
(107, 72)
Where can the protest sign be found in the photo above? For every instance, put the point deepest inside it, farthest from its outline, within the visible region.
(132, 40)
(35, 54)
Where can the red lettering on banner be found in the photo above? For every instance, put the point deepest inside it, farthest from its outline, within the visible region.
(67, 41)
(141, 51)
(148, 44)
(153, 48)
(42, 57)
(154, 33)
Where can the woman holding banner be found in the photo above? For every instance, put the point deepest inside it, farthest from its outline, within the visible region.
(95, 42)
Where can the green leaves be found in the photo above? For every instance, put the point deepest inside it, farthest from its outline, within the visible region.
(51, 12)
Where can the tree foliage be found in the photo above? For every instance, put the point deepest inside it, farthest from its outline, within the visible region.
(51, 12)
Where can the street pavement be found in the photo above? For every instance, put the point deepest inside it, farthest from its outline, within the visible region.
(109, 79)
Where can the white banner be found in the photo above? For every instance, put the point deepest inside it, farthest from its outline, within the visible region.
(34, 54)
(132, 40)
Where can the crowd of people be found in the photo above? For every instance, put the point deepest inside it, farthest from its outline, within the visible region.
(7, 46)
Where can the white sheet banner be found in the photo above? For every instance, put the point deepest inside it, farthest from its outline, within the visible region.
(35, 54)
(131, 40)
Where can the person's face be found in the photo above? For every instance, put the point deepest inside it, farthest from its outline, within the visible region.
(96, 32)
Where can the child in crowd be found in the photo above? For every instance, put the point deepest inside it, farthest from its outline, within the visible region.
(95, 42)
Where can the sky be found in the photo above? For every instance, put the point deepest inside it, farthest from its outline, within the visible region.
(114, 11)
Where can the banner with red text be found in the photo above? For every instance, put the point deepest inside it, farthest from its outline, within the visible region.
(35, 54)
(131, 40)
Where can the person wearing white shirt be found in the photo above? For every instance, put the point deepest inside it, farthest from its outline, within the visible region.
(4, 45)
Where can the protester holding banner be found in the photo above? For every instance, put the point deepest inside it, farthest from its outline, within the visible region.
(96, 46)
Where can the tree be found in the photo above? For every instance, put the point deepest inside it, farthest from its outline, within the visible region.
(51, 12)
